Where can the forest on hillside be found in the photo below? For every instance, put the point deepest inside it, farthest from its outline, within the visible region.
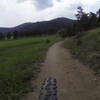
(85, 21)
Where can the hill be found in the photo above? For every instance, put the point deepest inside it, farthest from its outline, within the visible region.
(44, 27)
(86, 47)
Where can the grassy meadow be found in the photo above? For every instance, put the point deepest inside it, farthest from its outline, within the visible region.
(86, 47)
(19, 62)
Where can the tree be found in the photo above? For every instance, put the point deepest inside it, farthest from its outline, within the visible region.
(82, 18)
(79, 13)
(84, 22)
(1, 36)
(15, 34)
(22, 34)
(9, 35)
(79, 16)
(75, 27)
(70, 31)
(62, 33)
(98, 15)
(93, 20)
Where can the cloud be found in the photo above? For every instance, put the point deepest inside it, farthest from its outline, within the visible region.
(20, 1)
(43, 4)
(40, 4)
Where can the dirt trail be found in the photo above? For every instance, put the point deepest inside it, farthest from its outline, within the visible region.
(75, 81)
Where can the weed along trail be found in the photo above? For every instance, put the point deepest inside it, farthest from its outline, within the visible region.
(74, 80)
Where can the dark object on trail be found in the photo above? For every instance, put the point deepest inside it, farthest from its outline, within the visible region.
(49, 90)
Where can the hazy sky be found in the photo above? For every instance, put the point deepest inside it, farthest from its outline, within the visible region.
(15, 12)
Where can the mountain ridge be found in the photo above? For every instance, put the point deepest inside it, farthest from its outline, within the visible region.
(44, 26)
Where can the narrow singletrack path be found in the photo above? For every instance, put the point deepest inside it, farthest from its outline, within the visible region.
(75, 81)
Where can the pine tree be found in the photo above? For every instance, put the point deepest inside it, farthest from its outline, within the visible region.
(1, 36)
(15, 34)
(9, 35)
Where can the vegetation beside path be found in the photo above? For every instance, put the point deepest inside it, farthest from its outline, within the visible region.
(19, 62)
(86, 47)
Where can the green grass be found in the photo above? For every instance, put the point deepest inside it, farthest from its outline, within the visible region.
(86, 47)
(19, 62)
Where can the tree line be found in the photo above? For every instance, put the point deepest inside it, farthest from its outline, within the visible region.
(27, 33)
(19, 34)
(85, 21)
(9, 35)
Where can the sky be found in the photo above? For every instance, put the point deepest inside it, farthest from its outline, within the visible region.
(15, 12)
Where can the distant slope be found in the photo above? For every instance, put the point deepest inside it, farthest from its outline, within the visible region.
(46, 27)
(87, 48)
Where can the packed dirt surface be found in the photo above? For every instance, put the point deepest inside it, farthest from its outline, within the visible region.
(75, 81)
